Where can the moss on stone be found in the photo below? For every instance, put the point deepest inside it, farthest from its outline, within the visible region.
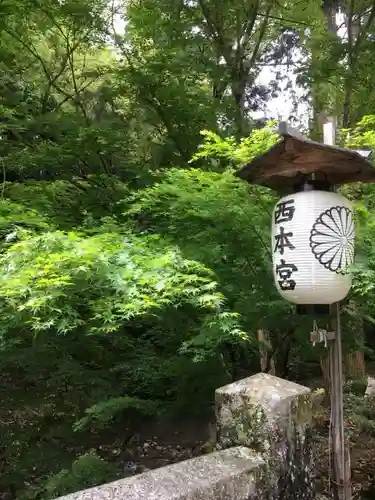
(273, 417)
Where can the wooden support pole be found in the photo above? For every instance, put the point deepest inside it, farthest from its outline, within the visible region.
(340, 454)
(329, 131)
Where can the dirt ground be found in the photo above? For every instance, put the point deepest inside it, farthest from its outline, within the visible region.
(163, 444)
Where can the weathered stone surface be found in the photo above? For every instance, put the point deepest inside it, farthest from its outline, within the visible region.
(370, 391)
(248, 410)
(232, 474)
(272, 416)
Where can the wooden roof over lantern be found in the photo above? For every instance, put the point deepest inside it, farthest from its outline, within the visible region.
(291, 161)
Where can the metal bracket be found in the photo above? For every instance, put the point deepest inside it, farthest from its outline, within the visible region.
(321, 336)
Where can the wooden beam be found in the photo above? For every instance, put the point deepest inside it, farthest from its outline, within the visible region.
(340, 455)
(329, 131)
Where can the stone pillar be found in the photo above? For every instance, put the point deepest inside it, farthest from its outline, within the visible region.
(273, 417)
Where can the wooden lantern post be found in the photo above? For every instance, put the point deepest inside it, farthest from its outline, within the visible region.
(292, 161)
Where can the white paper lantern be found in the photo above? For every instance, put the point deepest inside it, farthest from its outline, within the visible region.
(313, 245)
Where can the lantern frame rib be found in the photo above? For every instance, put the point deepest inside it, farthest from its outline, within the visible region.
(293, 159)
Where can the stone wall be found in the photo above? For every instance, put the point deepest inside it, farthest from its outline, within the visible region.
(233, 474)
(263, 451)
(273, 417)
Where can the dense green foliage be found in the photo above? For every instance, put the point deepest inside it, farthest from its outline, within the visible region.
(135, 267)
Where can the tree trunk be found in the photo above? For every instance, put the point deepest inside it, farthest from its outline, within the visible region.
(267, 363)
(324, 365)
(355, 366)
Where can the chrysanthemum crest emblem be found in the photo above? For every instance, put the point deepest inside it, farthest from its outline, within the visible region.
(332, 238)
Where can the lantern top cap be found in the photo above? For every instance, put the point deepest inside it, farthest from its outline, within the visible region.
(294, 158)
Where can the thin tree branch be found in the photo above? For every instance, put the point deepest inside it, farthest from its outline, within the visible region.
(262, 32)
(365, 28)
(252, 17)
(216, 33)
